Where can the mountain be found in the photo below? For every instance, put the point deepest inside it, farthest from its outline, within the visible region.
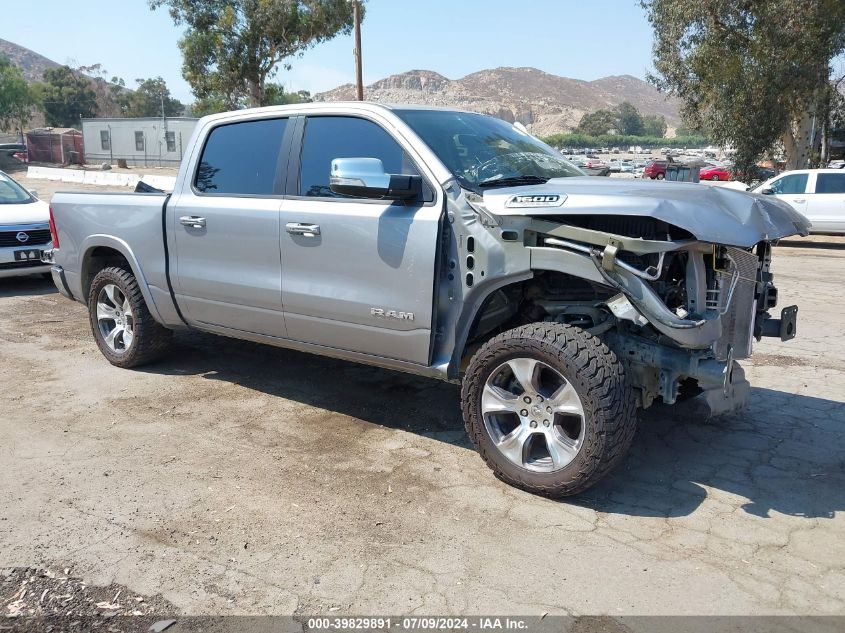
(33, 66)
(31, 63)
(545, 103)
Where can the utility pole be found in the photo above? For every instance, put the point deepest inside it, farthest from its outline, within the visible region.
(359, 77)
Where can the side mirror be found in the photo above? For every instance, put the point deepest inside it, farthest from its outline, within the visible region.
(366, 178)
(767, 191)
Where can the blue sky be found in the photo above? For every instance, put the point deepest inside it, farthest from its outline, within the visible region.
(585, 39)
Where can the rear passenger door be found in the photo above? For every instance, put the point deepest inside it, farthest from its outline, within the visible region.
(363, 278)
(826, 206)
(227, 269)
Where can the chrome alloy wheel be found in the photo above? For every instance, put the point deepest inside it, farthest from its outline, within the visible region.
(115, 318)
(533, 415)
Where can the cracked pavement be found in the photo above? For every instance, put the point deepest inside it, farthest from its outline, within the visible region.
(238, 478)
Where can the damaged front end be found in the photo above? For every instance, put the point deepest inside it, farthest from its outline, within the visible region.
(677, 309)
(683, 311)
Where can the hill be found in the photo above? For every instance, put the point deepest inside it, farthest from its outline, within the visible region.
(33, 66)
(545, 103)
(31, 63)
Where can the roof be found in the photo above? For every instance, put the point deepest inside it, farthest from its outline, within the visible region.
(44, 131)
(320, 106)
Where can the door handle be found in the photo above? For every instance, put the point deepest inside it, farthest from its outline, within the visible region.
(299, 228)
(799, 200)
(192, 221)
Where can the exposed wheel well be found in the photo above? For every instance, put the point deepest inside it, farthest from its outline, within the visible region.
(97, 259)
(548, 296)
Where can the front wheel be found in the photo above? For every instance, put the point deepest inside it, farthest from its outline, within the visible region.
(548, 408)
(123, 327)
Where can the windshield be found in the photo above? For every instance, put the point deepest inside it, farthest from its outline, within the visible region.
(482, 151)
(11, 192)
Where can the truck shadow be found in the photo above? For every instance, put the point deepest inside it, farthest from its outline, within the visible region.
(783, 454)
(831, 244)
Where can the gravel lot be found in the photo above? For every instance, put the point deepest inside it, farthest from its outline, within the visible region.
(238, 478)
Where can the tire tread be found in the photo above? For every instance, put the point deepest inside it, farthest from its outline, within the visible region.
(151, 341)
(612, 403)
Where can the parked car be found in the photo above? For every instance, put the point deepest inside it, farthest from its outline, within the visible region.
(9, 149)
(818, 194)
(715, 172)
(656, 170)
(24, 230)
(596, 167)
(446, 244)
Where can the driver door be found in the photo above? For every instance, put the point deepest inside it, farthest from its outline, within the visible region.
(357, 274)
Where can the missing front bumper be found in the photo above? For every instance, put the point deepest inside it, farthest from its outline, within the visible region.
(784, 328)
(717, 400)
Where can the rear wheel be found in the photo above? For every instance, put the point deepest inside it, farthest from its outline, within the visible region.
(548, 408)
(660, 176)
(123, 327)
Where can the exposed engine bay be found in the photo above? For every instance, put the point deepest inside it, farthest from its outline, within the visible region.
(678, 311)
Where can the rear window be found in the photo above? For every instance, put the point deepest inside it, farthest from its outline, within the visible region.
(830, 183)
(241, 158)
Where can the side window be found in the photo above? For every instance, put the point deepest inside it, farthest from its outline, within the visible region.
(241, 158)
(793, 183)
(330, 137)
(830, 183)
(139, 141)
(105, 139)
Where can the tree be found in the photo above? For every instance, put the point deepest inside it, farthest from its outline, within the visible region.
(16, 97)
(597, 123)
(654, 125)
(212, 104)
(274, 94)
(149, 99)
(107, 90)
(630, 121)
(232, 47)
(66, 97)
(751, 73)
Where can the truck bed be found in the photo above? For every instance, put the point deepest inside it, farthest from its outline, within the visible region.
(130, 224)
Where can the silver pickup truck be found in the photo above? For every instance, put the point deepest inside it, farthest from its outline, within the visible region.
(447, 244)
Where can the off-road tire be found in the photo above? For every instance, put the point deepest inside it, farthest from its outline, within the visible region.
(599, 379)
(150, 340)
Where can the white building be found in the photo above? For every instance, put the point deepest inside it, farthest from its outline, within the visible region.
(143, 142)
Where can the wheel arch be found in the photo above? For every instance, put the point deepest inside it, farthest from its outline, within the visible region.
(472, 308)
(102, 251)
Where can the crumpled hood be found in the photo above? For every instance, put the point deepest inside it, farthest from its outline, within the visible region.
(711, 213)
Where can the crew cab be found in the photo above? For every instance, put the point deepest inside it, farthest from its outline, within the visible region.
(448, 244)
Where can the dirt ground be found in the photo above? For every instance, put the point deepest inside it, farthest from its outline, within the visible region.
(234, 478)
